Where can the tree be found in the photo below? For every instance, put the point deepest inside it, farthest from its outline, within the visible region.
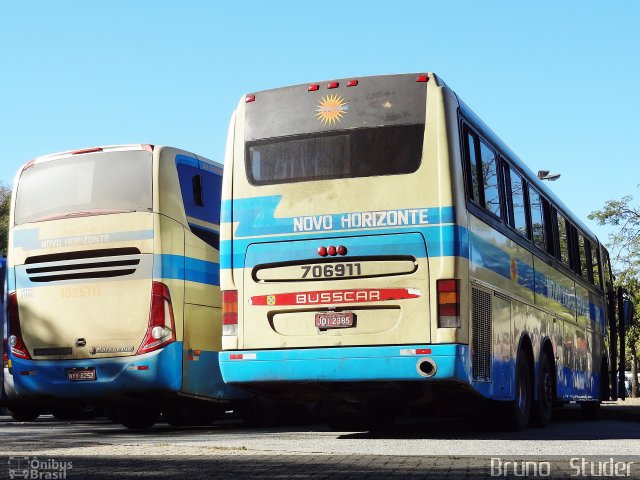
(631, 284)
(624, 244)
(5, 205)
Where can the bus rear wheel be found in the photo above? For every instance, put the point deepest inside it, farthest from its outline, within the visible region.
(543, 407)
(24, 414)
(515, 415)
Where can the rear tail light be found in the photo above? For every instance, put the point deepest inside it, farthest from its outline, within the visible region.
(230, 313)
(18, 348)
(161, 330)
(448, 303)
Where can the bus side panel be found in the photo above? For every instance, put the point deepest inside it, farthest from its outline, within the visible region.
(203, 317)
(197, 264)
(503, 364)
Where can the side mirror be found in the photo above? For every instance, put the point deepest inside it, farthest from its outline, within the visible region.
(628, 309)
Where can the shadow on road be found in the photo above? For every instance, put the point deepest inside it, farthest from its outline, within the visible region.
(567, 424)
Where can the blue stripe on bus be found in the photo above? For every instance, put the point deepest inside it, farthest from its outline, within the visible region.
(442, 241)
(186, 268)
(29, 239)
(256, 216)
(187, 160)
(197, 163)
(11, 280)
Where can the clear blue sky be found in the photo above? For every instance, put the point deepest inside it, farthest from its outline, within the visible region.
(558, 81)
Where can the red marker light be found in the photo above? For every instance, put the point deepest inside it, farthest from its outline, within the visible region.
(86, 150)
(422, 78)
(250, 98)
(322, 251)
(333, 85)
(28, 164)
(342, 250)
(352, 83)
(314, 87)
(332, 251)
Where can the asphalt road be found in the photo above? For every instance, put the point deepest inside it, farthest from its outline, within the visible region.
(415, 448)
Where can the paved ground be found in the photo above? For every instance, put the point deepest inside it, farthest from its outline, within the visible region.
(415, 448)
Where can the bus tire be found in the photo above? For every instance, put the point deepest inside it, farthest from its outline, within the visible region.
(24, 414)
(515, 415)
(542, 409)
(137, 417)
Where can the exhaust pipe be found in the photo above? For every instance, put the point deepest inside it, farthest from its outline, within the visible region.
(426, 367)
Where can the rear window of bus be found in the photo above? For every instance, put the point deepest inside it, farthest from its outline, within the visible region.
(362, 152)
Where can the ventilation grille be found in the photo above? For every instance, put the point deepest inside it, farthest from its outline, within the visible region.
(104, 263)
(481, 332)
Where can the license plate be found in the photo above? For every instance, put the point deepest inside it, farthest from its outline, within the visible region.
(334, 320)
(81, 374)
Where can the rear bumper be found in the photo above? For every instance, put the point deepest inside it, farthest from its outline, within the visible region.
(345, 364)
(154, 373)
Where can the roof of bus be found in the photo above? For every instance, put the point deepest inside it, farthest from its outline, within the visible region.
(532, 177)
(112, 148)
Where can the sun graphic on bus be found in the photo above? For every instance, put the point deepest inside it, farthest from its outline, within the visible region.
(331, 109)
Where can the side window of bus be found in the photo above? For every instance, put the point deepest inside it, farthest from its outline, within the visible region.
(201, 193)
(489, 169)
(473, 184)
(595, 266)
(515, 201)
(482, 173)
(582, 253)
(606, 265)
(537, 219)
(563, 239)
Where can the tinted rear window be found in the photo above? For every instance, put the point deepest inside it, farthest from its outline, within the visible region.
(362, 152)
(88, 184)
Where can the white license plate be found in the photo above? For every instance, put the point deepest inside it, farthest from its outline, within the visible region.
(334, 320)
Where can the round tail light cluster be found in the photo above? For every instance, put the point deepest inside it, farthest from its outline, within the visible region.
(332, 251)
